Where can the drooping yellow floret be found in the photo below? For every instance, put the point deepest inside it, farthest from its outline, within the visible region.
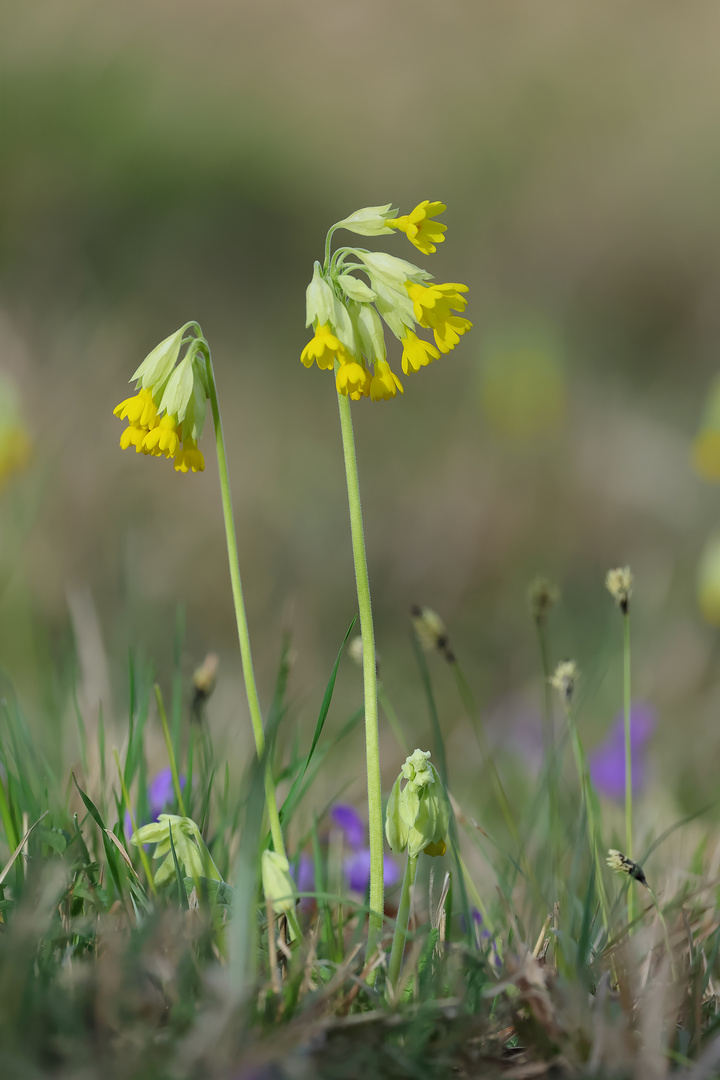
(189, 458)
(434, 303)
(323, 349)
(417, 353)
(448, 333)
(133, 435)
(140, 409)
(353, 379)
(433, 306)
(164, 438)
(385, 383)
(419, 227)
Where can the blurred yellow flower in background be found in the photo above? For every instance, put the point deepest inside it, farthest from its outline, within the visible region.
(15, 444)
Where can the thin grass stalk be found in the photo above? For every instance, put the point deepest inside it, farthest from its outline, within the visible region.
(171, 752)
(549, 749)
(592, 824)
(372, 739)
(628, 754)
(126, 796)
(240, 616)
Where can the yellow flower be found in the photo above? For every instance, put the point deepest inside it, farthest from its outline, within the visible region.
(419, 228)
(433, 307)
(706, 454)
(323, 349)
(15, 448)
(353, 379)
(166, 415)
(189, 457)
(140, 410)
(164, 438)
(385, 383)
(355, 291)
(416, 352)
(133, 435)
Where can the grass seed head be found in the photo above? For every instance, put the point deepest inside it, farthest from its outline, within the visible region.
(619, 583)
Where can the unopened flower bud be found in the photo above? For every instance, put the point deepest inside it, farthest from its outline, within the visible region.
(278, 885)
(418, 814)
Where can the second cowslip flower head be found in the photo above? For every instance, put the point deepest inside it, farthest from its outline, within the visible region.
(418, 815)
(347, 312)
(166, 415)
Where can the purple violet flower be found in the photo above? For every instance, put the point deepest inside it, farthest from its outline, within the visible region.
(607, 761)
(161, 795)
(356, 868)
(347, 819)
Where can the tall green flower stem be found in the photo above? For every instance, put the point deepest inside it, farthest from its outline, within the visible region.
(628, 753)
(240, 617)
(372, 741)
(401, 924)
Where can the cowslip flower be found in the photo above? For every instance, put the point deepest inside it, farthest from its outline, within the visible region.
(166, 415)
(347, 311)
(171, 831)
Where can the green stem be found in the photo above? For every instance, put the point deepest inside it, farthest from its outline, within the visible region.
(592, 823)
(372, 743)
(628, 754)
(401, 924)
(549, 751)
(240, 617)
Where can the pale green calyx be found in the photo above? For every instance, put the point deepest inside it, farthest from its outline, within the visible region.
(369, 330)
(370, 221)
(355, 289)
(418, 814)
(389, 269)
(278, 885)
(319, 299)
(157, 366)
(192, 854)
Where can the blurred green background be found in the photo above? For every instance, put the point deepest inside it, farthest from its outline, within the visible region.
(166, 161)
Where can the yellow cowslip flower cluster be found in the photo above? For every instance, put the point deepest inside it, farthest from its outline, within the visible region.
(347, 312)
(166, 415)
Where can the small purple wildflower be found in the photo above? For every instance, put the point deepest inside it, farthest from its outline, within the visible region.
(607, 761)
(346, 818)
(356, 868)
(161, 795)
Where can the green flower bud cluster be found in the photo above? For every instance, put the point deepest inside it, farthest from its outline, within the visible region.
(278, 885)
(192, 854)
(418, 814)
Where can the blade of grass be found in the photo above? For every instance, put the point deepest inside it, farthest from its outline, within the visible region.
(291, 799)
(171, 753)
